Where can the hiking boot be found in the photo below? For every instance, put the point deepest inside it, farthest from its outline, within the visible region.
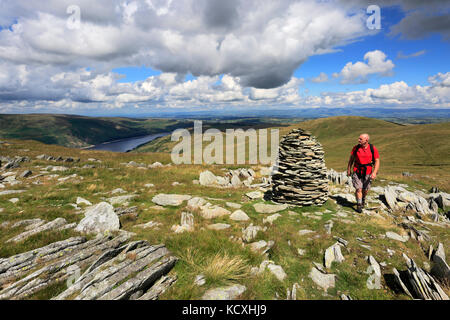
(359, 208)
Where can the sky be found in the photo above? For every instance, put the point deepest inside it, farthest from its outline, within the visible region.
(135, 57)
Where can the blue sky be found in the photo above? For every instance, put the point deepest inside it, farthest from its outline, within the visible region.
(135, 57)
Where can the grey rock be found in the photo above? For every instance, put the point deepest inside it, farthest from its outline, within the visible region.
(207, 178)
(224, 293)
(99, 218)
(239, 215)
(255, 195)
(396, 236)
(269, 208)
(440, 267)
(270, 219)
(170, 199)
(218, 226)
(325, 281)
(52, 225)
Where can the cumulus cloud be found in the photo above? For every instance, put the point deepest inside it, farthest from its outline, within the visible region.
(261, 42)
(358, 72)
(322, 77)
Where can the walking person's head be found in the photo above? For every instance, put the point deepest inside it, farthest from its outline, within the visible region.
(363, 139)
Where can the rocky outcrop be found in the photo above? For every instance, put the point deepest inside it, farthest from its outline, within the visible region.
(417, 283)
(128, 272)
(232, 179)
(301, 175)
(49, 265)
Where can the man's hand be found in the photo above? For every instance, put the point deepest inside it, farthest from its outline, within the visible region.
(373, 176)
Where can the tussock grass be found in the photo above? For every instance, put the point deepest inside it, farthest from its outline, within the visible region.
(219, 268)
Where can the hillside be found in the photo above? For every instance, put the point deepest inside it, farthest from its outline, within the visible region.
(421, 149)
(39, 212)
(79, 131)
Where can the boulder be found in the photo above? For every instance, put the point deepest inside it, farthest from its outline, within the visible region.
(207, 178)
(224, 293)
(269, 208)
(239, 215)
(324, 281)
(99, 218)
(170, 199)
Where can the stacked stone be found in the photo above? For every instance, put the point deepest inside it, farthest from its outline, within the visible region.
(301, 176)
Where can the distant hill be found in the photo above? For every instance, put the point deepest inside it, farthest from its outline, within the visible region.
(421, 148)
(80, 131)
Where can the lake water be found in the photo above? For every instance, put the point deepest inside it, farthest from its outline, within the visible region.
(125, 145)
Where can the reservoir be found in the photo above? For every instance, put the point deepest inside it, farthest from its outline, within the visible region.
(128, 144)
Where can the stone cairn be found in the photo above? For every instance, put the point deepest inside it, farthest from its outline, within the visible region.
(301, 178)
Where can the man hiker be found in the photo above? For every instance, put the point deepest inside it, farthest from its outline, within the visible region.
(366, 161)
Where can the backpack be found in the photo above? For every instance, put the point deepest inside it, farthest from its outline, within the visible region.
(362, 168)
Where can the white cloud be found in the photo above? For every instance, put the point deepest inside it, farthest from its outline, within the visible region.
(260, 41)
(322, 77)
(359, 72)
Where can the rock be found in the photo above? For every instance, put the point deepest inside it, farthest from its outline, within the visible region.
(269, 208)
(99, 218)
(255, 195)
(261, 246)
(440, 269)
(83, 201)
(422, 285)
(324, 281)
(149, 185)
(52, 225)
(196, 203)
(14, 200)
(121, 200)
(301, 252)
(265, 171)
(333, 254)
(26, 174)
(200, 280)
(233, 205)
(407, 174)
(8, 192)
(218, 226)
(187, 223)
(207, 178)
(130, 272)
(235, 181)
(239, 215)
(213, 211)
(224, 293)
(249, 233)
(156, 165)
(148, 225)
(272, 218)
(170, 199)
(374, 281)
(304, 231)
(300, 177)
(391, 197)
(118, 190)
(328, 226)
(277, 271)
(396, 236)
